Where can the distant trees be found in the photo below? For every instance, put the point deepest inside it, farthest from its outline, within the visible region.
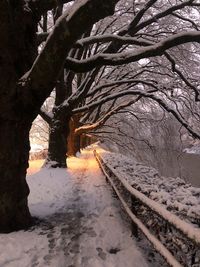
(148, 133)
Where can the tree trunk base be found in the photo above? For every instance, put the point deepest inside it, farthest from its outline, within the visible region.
(14, 148)
(20, 219)
(57, 151)
(54, 164)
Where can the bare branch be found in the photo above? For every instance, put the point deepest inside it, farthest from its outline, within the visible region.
(187, 82)
(99, 123)
(68, 28)
(110, 38)
(157, 49)
(46, 116)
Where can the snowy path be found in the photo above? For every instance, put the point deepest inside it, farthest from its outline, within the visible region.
(81, 224)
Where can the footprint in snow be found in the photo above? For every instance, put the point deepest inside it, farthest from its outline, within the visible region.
(101, 253)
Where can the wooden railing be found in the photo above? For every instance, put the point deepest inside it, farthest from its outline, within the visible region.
(177, 241)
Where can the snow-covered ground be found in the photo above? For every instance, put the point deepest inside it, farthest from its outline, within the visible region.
(80, 222)
(174, 193)
(34, 166)
(36, 148)
(195, 149)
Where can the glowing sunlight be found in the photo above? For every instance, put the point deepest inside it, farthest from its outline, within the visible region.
(34, 166)
(86, 160)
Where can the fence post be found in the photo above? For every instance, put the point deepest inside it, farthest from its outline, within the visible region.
(134, 204)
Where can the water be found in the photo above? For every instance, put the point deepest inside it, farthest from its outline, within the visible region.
(184, 165)
(190, 168)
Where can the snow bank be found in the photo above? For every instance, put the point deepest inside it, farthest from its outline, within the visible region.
(49, 189)
(177, 195)
(193, 150)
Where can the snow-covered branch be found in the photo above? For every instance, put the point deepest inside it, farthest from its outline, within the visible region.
(141, 93)
(42, 37)
(174, 113)
(46, 116)
(101, 121)
(109, 98)
(180, 74)
(165, 13)
(110, 38)
(119, 82)
(157, 49)
(140, 14)
(68, 28)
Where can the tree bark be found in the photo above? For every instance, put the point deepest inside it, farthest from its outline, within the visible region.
(21, 99)
(73, 140)
(57, 150)
(59, 125)
(14, 153)
(73, 145)
(83, 141)
(17, 52)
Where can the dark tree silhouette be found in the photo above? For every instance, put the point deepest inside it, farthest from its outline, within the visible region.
(25, 83)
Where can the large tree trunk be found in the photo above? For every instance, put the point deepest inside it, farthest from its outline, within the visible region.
(73, 144)
(20, 100)
(57, 151)
(83, 140)
(73, 140)
(14, 153)
(59, 125)
(17, 52)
